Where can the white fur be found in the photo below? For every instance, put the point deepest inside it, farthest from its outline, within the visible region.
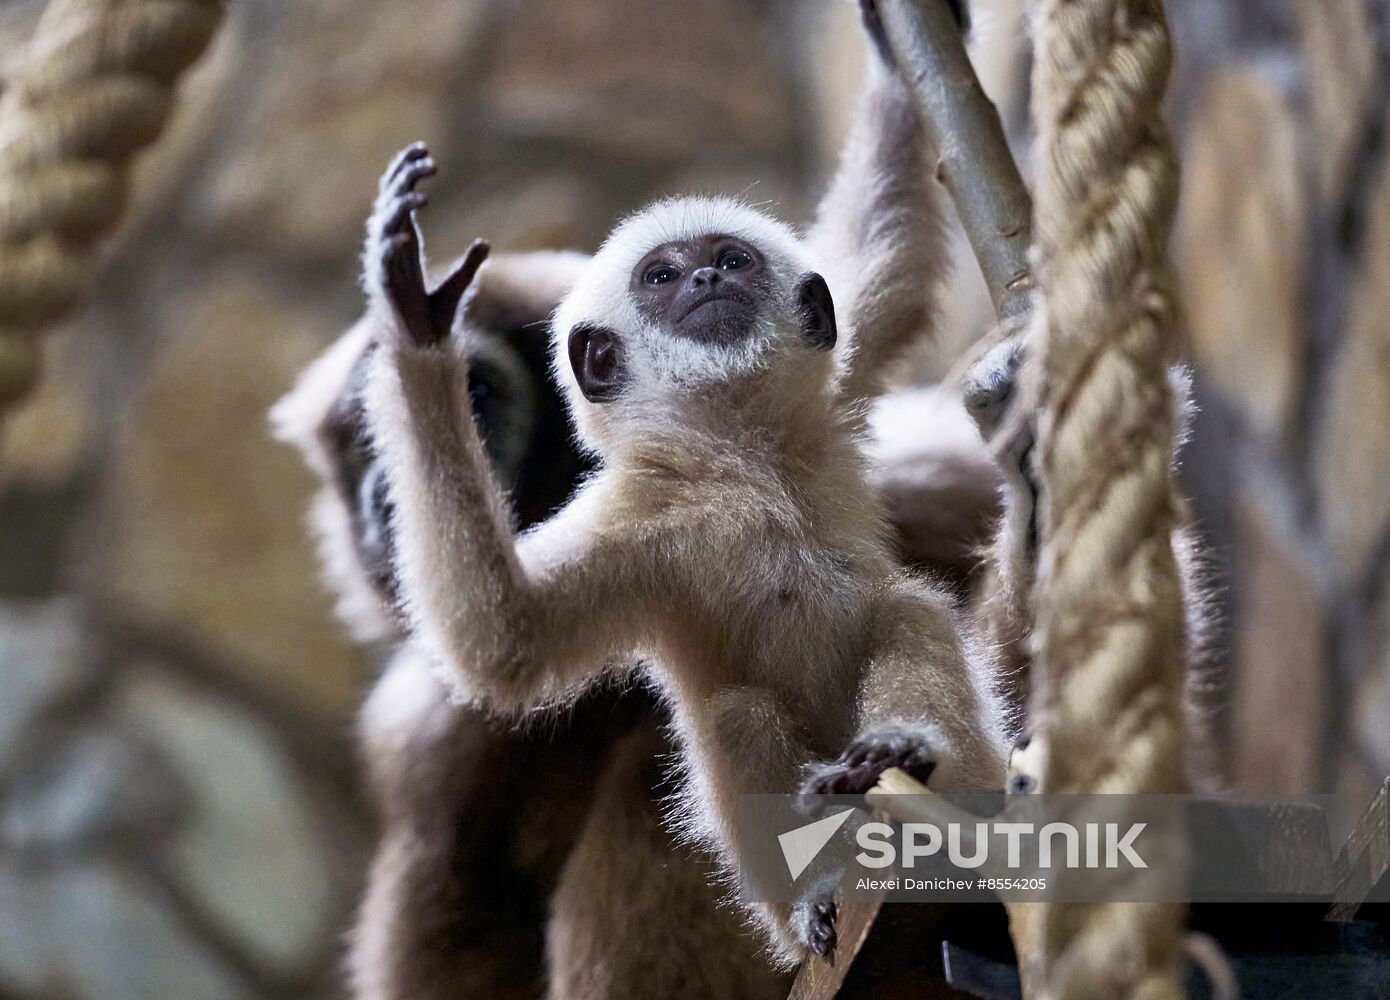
(297, 419)
(662, 366)
(730, 539)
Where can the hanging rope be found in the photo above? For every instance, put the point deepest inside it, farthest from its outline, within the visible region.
(96, 88)
(1108, 600)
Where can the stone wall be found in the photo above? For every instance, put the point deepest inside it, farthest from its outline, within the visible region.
(179, 809)
(1283, 248)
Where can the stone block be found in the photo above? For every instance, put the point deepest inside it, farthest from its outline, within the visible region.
(1279, 715)
(1351, 457)
(1239, 249)
(352, 82)
(629, 78)
(207, 534)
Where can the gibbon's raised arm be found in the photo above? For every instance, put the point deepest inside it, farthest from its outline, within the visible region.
(515, 624)
(878, 235)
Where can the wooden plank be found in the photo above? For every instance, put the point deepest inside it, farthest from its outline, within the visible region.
(1363, 864)
(821, 978)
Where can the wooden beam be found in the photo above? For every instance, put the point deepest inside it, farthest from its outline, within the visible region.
(1363, 865)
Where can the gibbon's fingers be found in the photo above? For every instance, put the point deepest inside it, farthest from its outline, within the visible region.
(411, 153)
(444, 300)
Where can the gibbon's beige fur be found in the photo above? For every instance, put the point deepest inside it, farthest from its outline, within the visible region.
(497, 838)
(729, 539)
(639, 922)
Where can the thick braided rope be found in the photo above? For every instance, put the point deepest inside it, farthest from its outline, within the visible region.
(96, 88)
(1108, 600)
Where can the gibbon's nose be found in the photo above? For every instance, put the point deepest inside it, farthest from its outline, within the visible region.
(705, 277)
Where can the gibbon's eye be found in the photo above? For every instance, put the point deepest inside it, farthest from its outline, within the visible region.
(487, 398)
(734, 260)
(660, 274)
(479, 389)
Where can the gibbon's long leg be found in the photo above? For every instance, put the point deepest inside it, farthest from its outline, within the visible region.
(635, 916)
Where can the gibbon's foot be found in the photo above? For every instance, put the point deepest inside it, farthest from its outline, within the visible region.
(865, 760)
(1025, 767)
(813, 922)
(992, 383)
(397, 252)
(990, 393)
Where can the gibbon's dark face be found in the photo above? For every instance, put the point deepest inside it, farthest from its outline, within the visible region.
(361, 474)
(361, 482)
(709, 289)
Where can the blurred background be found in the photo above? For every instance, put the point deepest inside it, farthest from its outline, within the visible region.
(180, 814)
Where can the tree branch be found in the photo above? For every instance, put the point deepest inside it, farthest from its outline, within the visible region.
(975, 166)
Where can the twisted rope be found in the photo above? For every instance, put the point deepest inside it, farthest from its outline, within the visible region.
(1108, 602)
(96, 88)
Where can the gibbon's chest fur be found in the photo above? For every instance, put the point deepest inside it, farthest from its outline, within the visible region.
(770, 554)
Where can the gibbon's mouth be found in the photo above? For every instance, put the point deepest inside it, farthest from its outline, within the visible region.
(733, 296)
(727, 301)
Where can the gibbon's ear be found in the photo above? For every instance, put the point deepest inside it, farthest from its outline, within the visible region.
(817, 310)
(597, 362)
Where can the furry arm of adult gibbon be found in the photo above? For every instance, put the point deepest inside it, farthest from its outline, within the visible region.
(729, 534)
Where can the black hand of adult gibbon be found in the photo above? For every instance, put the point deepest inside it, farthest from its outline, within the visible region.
(865, 760)
(427, 315)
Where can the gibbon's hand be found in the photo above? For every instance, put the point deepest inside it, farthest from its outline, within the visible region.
(395, 251)
(865, 760)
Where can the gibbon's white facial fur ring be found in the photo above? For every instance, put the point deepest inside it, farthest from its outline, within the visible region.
(508, 378)
(297, 419)
(663, 364)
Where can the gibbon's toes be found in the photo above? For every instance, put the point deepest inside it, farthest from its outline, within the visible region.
(414, 172)
(878, 752)
(990, 386)
(818, 929)
(838, 779)
(863, 763)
